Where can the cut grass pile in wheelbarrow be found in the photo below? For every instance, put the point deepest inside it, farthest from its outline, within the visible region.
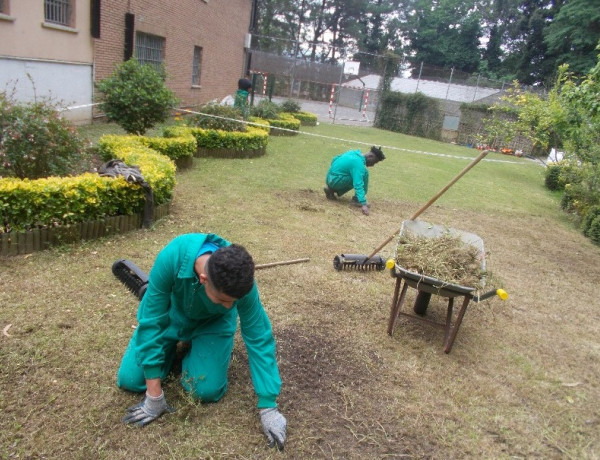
(446, 258)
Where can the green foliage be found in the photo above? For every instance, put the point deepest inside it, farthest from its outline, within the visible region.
(552, 178)
(574, 33)
(252, 139)
(593, 231)
(445, 34)
(288, 122)
(157, 169)
(592, 214)
(135, 97)
(306, 118)
(26, 203)
(265, 109)
(229, 118)
(290, 106)
(413, 114)
(35, 141)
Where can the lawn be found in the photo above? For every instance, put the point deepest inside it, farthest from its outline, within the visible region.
(520, 382)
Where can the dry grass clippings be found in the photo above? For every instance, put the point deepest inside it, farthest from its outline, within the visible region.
(446, 258)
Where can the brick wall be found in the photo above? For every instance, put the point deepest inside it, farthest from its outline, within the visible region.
(219, 27)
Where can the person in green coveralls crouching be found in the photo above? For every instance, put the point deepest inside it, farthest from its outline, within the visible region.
(349, 171)
(197, 288)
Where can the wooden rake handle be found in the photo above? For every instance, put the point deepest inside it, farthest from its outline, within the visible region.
(283, 262)
(433, 199)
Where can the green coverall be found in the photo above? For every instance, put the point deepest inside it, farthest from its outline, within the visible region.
(349, 171)
(176, 308)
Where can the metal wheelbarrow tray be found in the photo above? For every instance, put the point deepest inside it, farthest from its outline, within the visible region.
(426, 285)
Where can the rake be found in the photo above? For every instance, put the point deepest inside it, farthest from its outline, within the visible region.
(136, 280)
(376, 262)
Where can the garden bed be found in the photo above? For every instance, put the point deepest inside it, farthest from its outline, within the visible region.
(39, 239)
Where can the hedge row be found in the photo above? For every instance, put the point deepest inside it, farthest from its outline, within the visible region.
(254, 139)
(305, 118)
(52, 201)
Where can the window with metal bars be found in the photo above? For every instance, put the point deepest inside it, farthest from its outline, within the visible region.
(150, 49)
(58, 12)
(197, 65)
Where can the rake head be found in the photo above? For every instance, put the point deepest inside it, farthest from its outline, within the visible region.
(358, 262)
(133, 277)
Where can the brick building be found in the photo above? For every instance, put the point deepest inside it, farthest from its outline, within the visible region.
(60, 48)
(200, 43)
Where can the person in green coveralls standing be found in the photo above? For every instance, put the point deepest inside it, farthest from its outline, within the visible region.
(198, 287)
(349, 171)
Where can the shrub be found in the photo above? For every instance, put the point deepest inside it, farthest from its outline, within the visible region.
(135, 97)
(592, 214)
(306, 118)
(287, 122)
(553, 181)
(265, 109)
(229, 119)
(593, 232)
(290, 106)
(35, 141)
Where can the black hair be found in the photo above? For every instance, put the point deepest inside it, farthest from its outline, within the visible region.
(230, 269)
(378, 153)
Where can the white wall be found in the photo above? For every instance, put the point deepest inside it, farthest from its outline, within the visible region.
(66, 84)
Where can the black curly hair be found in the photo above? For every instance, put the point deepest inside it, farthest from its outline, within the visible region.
(378, 153)
(230, 269)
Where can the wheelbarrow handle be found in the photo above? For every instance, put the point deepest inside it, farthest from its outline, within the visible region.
(499, 292)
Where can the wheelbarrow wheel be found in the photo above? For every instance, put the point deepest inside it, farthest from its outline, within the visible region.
(421, 303)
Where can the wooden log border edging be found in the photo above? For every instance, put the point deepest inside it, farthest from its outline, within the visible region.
(39, 239)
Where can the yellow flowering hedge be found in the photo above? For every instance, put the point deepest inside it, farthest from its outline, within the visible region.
(65, 200)
(253, 139)
(288, 122)
(306, 118)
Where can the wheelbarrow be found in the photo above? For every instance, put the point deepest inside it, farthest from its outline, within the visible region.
(426, 286)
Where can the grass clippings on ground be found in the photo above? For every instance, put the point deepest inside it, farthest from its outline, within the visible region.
(521, 380)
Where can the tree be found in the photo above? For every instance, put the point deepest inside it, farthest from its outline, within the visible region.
(572, 36)
(570, 117)
(445, 34)
(135, 97)
(527, 56)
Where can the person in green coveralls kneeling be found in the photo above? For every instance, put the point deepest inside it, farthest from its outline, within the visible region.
(349, 171)
(197, 288)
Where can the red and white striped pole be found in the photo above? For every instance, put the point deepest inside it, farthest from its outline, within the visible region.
(366, 101)
(331, 100)
(265, 76)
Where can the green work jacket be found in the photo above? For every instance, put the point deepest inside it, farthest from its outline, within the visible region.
(347, 171)
(175, 305)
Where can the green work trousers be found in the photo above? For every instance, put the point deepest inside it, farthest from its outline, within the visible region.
(204, 367)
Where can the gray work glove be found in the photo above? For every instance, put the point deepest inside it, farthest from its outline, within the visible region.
(148, 410)
(274, 425)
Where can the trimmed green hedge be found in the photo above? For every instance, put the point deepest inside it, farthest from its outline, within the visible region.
(288, 122)
(65, 200)
(306, 118)
(157, 169)
(252, 142)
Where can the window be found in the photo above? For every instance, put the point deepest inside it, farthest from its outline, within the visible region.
(3, 6)
(150, 49)
(197, 65)
(58, 12)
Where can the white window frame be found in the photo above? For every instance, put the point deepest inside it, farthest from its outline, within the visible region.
(60, 12)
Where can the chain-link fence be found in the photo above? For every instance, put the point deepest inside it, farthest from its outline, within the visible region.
(286, 77)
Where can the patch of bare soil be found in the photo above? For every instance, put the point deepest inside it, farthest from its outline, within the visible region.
(331, 399)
